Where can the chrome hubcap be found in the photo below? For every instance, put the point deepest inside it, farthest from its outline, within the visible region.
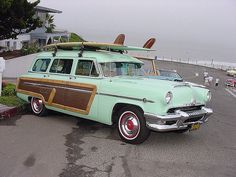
(37, 105)
(129, 125)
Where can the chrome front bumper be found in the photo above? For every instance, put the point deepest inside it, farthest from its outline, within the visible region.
(178, 120)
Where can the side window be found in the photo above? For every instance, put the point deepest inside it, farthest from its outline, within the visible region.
(41, 65)
(61, 66)
(86, 68)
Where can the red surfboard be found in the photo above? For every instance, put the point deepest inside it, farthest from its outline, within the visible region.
(120, 39)
(149, 43)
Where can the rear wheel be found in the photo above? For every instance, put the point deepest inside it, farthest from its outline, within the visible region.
(38, 107)
(132, 125)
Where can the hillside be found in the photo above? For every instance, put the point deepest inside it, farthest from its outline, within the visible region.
(76, 38)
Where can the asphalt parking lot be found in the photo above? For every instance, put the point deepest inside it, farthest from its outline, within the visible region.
(64, 146)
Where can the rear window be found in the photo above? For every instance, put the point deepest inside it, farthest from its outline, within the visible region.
(41, 65)
(61, 66)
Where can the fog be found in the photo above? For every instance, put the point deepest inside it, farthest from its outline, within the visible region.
(194, 29)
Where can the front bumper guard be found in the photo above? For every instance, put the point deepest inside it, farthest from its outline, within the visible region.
(181, 119)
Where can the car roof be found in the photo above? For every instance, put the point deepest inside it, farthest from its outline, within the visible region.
(100, 56)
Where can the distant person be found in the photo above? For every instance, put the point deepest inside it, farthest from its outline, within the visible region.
(210, 78)
(206, 81)
(205, 74)
(217, 82)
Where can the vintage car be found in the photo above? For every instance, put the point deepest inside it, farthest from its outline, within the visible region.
(109, 87)
(231, 72)
(231, 82)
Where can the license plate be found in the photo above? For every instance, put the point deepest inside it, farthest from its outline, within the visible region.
(195, 126)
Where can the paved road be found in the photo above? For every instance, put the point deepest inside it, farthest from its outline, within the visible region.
(60, 145)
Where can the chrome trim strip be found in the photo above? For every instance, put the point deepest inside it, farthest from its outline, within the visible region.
(60, 87)
(125, 97)
(37, 72)
(182, 85)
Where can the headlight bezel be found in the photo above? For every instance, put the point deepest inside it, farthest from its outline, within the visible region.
(208, 96)
(168, 97)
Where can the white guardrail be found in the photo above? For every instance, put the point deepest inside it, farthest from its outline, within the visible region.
(211, 64)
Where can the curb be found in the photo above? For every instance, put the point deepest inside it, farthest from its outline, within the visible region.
(11, 112)
(8, 113)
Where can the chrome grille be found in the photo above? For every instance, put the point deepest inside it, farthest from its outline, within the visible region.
(186, 109)
(194, 119)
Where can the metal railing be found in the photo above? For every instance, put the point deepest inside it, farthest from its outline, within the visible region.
(207, 63)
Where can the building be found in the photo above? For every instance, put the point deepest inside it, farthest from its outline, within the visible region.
(38, 36)
(14, 44)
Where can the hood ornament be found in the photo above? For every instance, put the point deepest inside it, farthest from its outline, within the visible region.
(193, 102)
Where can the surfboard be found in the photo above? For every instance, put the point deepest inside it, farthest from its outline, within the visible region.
(95, 45)
(149, 43)
(120, 39)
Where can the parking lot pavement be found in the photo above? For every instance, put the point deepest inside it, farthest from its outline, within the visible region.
(60, 145)
(231, 91)
(33, 147)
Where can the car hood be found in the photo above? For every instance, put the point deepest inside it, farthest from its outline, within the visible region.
(176, 79)
(195, 85)
(155, 90)
(165, 78)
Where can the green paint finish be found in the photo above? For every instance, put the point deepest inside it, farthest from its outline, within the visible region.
(148, 94)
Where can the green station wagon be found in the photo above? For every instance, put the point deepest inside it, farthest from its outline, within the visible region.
(109, 87)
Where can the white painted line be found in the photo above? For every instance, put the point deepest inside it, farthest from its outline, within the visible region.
(234, 90)
(230, 92)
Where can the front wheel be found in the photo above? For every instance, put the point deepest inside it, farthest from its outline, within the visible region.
(132, 125)
(38, 107)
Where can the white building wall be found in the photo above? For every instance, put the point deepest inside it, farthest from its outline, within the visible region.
(17, 66)
(14, 44)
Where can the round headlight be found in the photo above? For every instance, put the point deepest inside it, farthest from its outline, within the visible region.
(168, 97)
(209, 96)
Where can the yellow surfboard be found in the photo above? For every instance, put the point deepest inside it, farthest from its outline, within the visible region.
(95, 45)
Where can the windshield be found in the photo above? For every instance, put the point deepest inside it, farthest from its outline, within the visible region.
(169, 74)
(113, 69)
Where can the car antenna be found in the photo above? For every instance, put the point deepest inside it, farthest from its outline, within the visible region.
(81, 50)
(55, 51)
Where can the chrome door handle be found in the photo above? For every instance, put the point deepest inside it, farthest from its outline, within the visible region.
(72, 77)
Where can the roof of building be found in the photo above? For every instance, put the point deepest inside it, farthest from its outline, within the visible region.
(45, 9)
(100, 56)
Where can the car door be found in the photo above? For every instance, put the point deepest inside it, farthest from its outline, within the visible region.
(48, 82)
(56, 82)
(82, 88)
(30, 84)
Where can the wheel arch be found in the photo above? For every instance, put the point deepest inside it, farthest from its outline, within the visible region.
(119, 106)
(29, 98)
(36, 96)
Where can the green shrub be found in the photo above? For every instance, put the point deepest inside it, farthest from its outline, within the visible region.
(30, 49)
(9, 90)
(11, 101)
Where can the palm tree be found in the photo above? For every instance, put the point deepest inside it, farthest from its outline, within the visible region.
(50, 26)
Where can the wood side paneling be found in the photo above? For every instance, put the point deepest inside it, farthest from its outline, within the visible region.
(72, 96)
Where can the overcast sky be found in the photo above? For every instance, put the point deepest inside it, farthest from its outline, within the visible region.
(195, 29)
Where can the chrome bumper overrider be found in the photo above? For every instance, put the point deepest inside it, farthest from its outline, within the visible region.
(178, 120)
